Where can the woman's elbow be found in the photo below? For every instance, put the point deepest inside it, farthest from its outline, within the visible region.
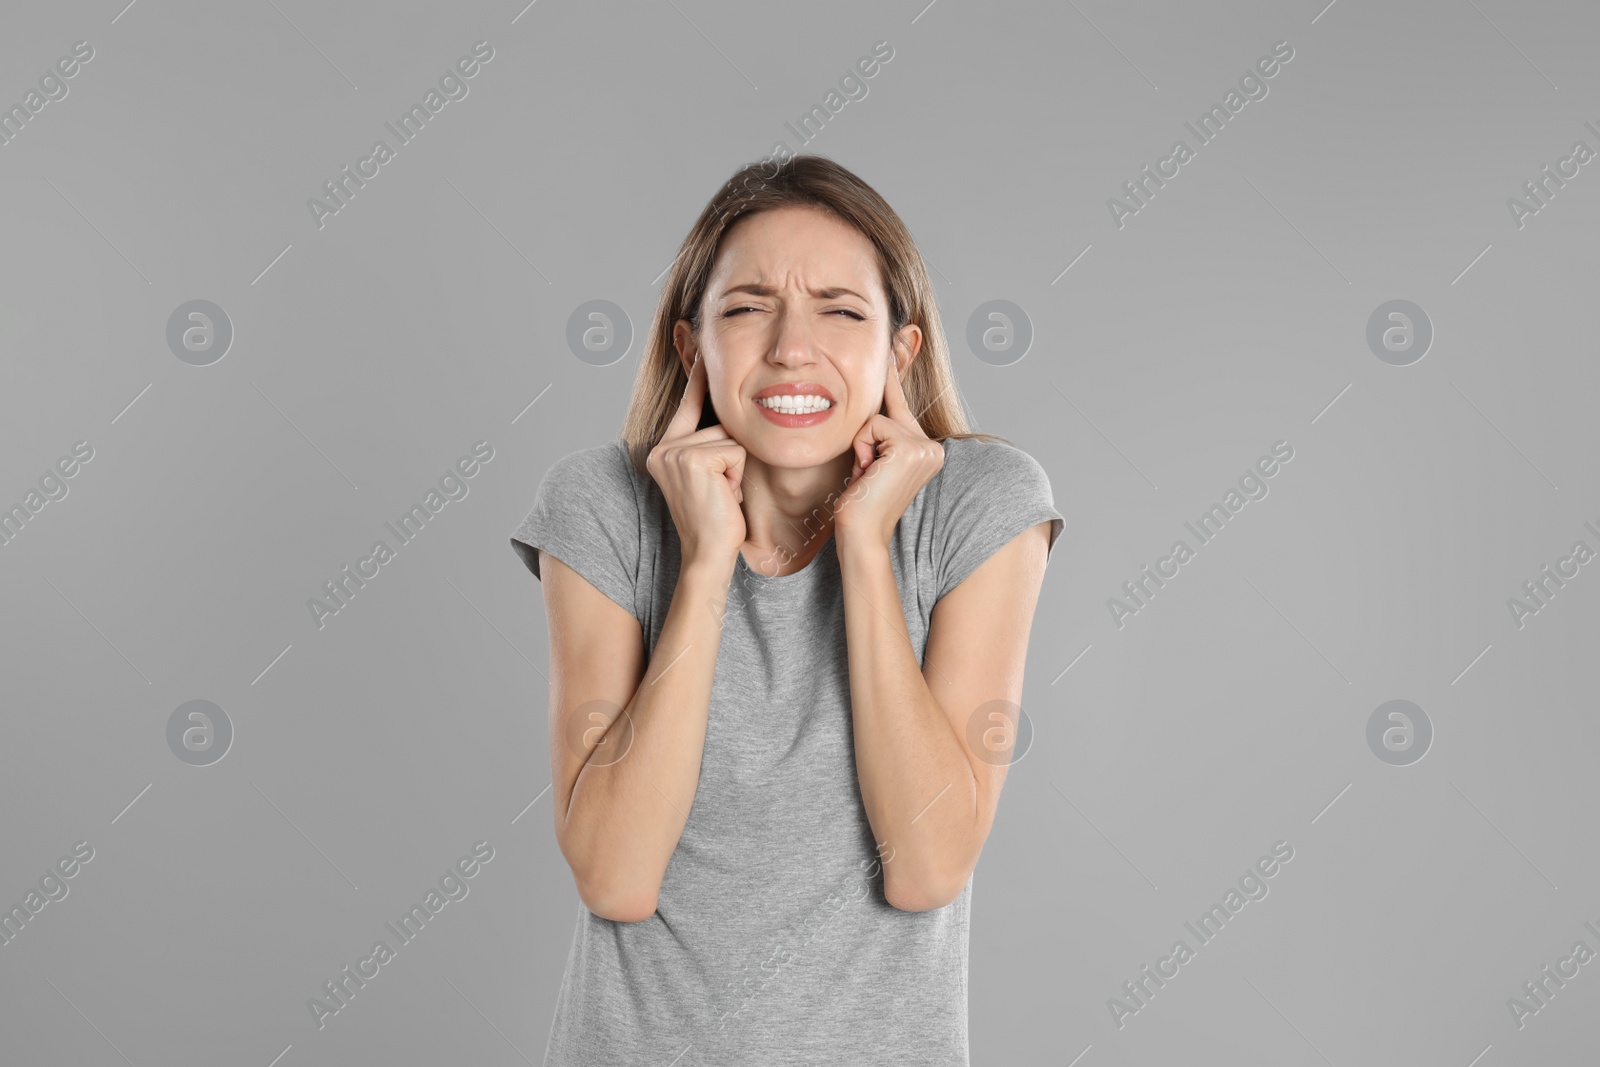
(905, 895)
(610, 891)
(622, 904)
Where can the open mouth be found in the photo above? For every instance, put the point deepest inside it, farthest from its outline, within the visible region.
(803, 404)
(796, 403)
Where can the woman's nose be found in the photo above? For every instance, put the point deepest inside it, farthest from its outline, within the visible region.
(793, 343)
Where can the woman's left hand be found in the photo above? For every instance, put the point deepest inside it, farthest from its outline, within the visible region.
(894, 459)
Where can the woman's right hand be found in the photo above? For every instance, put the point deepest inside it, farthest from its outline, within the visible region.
(700, 474)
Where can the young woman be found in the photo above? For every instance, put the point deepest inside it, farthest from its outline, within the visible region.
(789, 611)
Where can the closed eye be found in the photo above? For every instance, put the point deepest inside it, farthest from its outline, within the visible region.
(731, 312)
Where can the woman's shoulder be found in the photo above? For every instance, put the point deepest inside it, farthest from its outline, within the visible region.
(586, 514)
(985, 460)
(595, 484)
(988, 491)
(604, 467)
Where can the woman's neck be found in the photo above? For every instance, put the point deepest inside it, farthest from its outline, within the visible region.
(788, 512)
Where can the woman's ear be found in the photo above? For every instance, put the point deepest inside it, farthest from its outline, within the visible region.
(906, 343)
(684, 343)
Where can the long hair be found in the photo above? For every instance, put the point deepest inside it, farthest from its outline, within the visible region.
(817, 181)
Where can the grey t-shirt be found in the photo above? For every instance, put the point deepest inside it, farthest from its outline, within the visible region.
(772, 942)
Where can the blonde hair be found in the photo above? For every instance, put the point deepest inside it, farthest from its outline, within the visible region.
(817, 181)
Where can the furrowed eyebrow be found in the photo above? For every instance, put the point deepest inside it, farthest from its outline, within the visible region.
(828, 293)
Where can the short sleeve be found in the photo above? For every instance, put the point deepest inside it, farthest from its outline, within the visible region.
(586, 514)
(988, 493)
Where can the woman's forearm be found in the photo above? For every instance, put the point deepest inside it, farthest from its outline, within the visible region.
(627, 813)
(916, 780)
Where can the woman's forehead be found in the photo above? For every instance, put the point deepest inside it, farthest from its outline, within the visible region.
(797, 257)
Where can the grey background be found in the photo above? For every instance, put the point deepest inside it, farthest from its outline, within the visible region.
(1230, 313)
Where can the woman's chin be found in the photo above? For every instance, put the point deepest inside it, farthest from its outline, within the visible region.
(783, 448)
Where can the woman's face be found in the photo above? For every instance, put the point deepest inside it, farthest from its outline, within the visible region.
(795, 306)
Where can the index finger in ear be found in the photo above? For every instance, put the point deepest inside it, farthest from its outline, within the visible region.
(894, 397)
(688, 414)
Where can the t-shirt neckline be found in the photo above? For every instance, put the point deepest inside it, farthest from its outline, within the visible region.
(828, 548)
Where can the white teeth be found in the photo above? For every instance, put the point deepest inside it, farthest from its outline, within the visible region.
(801, 404)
